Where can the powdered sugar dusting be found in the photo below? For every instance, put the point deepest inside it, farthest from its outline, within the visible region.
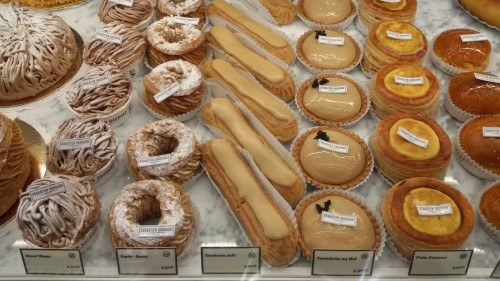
(174, 38)
(179, 7)
(186, 74)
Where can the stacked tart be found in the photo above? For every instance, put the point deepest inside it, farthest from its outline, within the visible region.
(471, 95)
(68, 218)
(453, 53)
(372, 12)
(489, 208)
(404, 87)
(410, 145)
(14, 163)
(149, 199)
(425, 213)
(477, 146)
(390, 42)
(50, 52)
(194, 9)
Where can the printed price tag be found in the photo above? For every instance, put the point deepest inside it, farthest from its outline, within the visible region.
(409, 80)
(47, 191)
(339, 219)
(343, 262)
(230, 260)
(491, 132)
(451, 262)
(4, 30)
(167, 92)
(146, 261)
(434, 210)
(333, 89)
(333, 146)
(496, 271)
(154, 160)
(128, 3)
(53, 261)
(184, 20)
(112, 120)
(338, 41)
(399, 36)
(70, 144)
(390, 1)
(94, 82)
(487, 78)
(161, 230)
(407, 135)
(473, 37)
(109, 37)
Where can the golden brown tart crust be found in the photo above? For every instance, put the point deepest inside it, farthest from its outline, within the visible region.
(408, 10)
(474, 96)
(490, 205)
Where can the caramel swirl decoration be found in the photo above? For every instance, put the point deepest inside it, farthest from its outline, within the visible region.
(139, 12)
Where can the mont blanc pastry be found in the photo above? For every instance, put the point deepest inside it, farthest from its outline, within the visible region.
(140, 11)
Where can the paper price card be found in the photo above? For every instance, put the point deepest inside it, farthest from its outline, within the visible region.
(230, 260)
(343, 262)
(496, 271)
(146, 261)
(54, 262)
(450, 262)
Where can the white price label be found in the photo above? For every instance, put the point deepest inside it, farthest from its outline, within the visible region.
(128, 3)
(154, 160)
(339, 219)
(342, 262)
(473, 37)
(390, 1)
(162, 230)
(339, 41)
(408, 80)
(333, 146)
(445, 262)
(487, 78)
(95, 82)
(71, 144)
(52, 261)
(434, 210)
(333, 89)
(491, 132)
(109, 37)
(230, 260)
(399, 36)
(184, 20)
(47, 191)
(167, 92)
(407, 135)
(4, 30)
(146, 261)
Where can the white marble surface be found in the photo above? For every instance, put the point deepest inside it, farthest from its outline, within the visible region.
(216, 223)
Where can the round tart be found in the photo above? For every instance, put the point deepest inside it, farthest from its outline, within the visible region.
(367, 233)
(130, 52)
(485, 10)
(477, 150)
(398, 158)
(141, 11)
(169, 40)
(322, 57)
(100, 100)
(151, 199)
(62, 220)
(469, 97)
(489, 208)
(89, 162)
(372, 12)
(392, 41)
(180, 81)
(404, 87)
(327, 13)
(188, 9)
(332, 99)
(331, 167)
(432, 230)
(453, 56)
(168, 139)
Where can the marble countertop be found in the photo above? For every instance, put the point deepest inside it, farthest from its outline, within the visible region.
(216, 223)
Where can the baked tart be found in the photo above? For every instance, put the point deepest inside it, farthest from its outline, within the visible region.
(332, 157)
(489, 208)
(477, 146)
(410, 145)
(484, 10)
(404, 87)
(426, 213)
(367, 233)
(469, 97)
(372, 12)
(338, 14)
(453, 54)
(332, 99)
(390, 42)
(328, 50)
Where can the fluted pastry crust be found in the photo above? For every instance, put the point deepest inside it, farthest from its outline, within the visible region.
(489, 206)
(372, 12)
(485, 10)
